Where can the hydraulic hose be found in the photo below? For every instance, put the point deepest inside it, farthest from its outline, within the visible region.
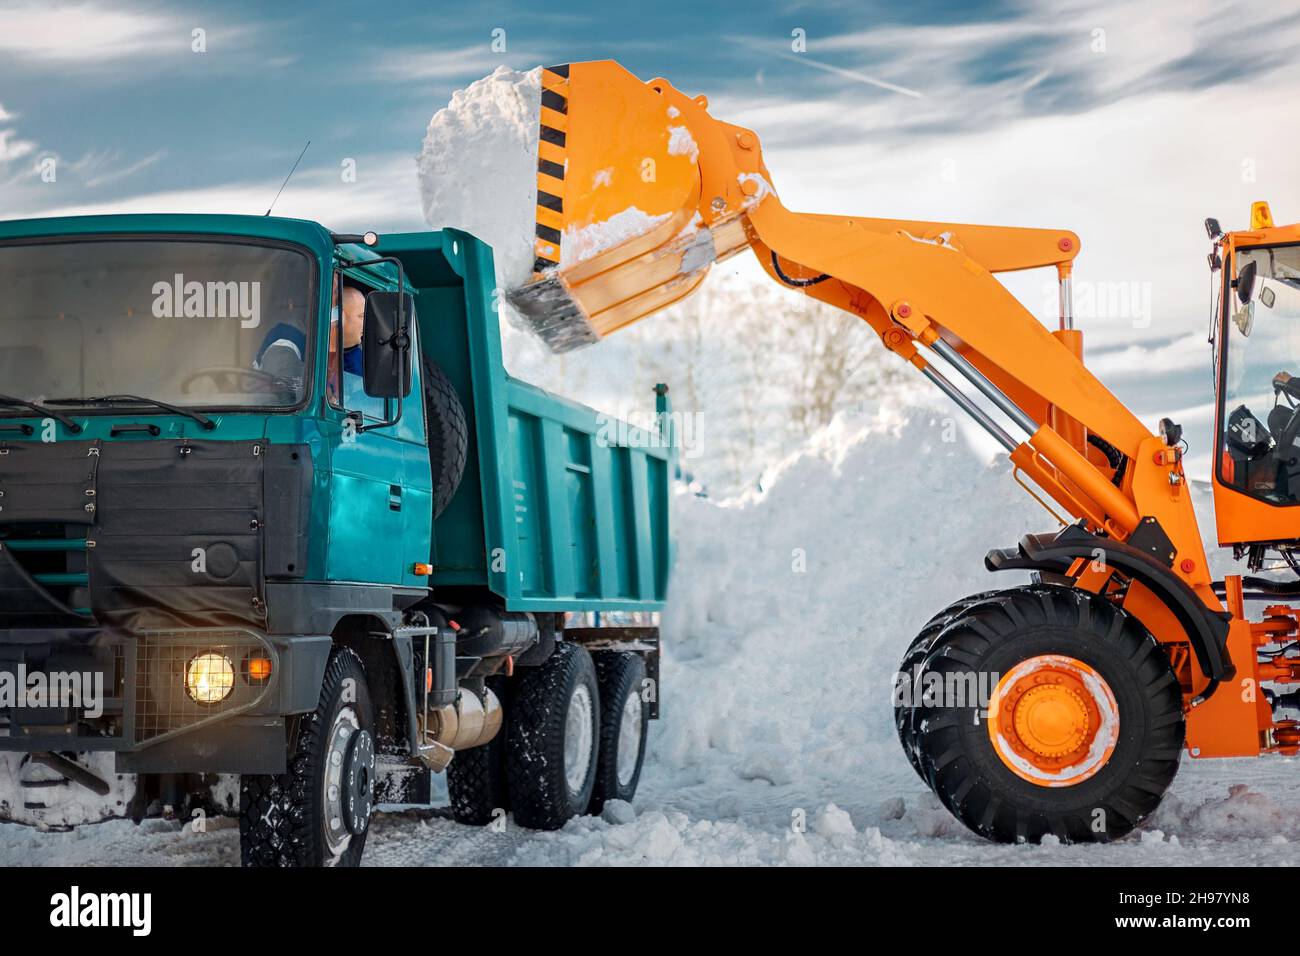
(790, 280)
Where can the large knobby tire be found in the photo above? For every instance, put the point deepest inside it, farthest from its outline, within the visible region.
(1127, 769)
(551, 747)
(318, 812)
(624, 721)
(908, 668)
(448, 435)
(476, 779)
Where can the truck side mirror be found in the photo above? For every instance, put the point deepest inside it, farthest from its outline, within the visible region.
(386, 344)
(1246, 281)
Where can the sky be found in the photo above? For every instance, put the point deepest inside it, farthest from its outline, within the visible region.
(1126, 122)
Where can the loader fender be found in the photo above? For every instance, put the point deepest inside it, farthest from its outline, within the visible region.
(1206, 629)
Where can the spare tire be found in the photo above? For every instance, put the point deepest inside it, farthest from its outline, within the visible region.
(444, 418)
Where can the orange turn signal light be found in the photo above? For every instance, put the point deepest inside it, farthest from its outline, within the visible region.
(259, 667)
(423, 570)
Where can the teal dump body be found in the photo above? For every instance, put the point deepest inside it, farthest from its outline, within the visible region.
(561, 508)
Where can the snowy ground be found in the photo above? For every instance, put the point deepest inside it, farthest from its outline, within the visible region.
(787, 617)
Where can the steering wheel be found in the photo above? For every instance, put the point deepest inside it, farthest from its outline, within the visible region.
(224, 375)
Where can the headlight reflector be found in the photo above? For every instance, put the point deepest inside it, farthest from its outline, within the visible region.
(209, 677)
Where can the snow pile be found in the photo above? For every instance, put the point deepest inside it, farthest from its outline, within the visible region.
(1243, 812)
(478, 167)
(583, 243)
(788, 614)
(478, 172)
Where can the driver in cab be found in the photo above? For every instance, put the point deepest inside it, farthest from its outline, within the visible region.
(353, 322)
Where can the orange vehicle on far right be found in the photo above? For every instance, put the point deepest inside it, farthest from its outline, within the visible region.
(1061, 707)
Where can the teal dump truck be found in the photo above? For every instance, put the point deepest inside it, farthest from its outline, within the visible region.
(280, 537)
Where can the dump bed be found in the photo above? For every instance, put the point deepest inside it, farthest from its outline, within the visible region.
(561, 507)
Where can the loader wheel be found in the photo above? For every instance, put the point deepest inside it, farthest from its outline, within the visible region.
(448, 435)
(624, 721)
(551, 747)
(1084, 723)
(476, 779)
(912, 658)
(318, 812)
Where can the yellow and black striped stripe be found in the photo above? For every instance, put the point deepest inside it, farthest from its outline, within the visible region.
(552, 146)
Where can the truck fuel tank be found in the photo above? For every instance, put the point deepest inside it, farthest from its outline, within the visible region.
(488, 632)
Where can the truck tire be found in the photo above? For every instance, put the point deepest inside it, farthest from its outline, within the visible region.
(1084, 726)
(476, 779)
(318, 812)
(551, 747)
(448, 434)
(912, 658)
(624, 720)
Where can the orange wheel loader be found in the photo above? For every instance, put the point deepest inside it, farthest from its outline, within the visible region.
(1061, 707)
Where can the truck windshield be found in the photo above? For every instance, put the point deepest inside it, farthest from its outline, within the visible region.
(1261, 382)
(211, 323)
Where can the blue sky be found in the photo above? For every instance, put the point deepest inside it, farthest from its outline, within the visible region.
(115, 91)
(1127, 122)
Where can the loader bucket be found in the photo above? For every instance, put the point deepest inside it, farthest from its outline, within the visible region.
(619, 233)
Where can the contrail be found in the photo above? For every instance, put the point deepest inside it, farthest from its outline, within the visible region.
(849, 74)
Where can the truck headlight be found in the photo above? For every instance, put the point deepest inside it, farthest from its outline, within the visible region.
(209, 677)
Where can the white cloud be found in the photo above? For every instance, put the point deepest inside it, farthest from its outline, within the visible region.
(13, 148)
(85, 31)
(384, 197)
(411, 64)
(1135, 179)
(101, 173)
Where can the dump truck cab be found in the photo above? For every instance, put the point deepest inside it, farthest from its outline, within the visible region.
(271, 491)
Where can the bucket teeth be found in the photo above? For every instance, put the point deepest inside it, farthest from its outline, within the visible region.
(553, 313)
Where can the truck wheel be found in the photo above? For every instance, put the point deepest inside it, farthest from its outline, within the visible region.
(476, 779)
(448, 434)
(1084, 724)
(912, 659)
(551, 747)
(318, 813)
(624, 720)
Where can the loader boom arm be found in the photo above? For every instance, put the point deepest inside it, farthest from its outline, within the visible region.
(617, 154)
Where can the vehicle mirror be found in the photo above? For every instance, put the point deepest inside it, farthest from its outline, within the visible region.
(386, 344)
(1246, 281)
(1244, 319)
(1267, 296)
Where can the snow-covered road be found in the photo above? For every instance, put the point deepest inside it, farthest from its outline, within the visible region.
(891, 821)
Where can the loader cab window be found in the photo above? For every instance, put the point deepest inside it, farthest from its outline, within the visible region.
(1260, 375)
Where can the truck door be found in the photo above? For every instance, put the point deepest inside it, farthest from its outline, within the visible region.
(379, 496)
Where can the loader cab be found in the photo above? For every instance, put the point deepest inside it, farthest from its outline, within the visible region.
(1257, 374)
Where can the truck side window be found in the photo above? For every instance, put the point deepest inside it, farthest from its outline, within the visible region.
(346, 371)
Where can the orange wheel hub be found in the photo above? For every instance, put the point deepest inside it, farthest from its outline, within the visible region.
(1053, 721)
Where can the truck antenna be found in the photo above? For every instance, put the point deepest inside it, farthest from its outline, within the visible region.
(287, 178)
